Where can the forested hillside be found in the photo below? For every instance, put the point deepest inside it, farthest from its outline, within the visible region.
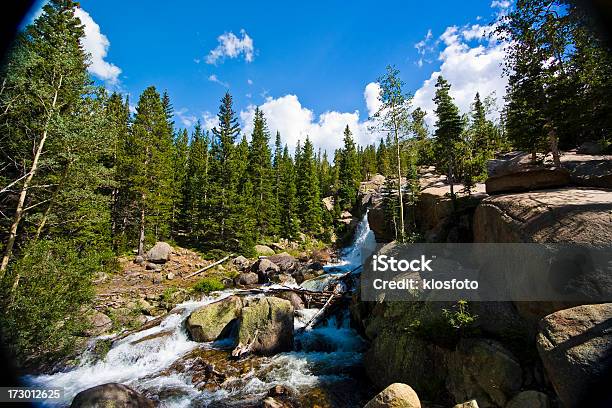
(85, 179)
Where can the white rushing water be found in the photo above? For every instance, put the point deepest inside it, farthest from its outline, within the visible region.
(323, 355)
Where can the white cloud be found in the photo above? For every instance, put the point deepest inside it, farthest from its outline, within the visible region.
(213, 78)
(294, 122)
(424, 47)
(186, 119)
(231, 46)
(502, 4)
(97, 44)
(371, 94)
(469, 69)
(210, 121)
(249, 81)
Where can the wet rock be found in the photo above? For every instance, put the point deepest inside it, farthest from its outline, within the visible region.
(575, 346)
(111, 395)
(215, 320)
(266, 326)
(515, 172)
(264, 250)
(99, 323)
(246, 278)
(484, 370)
(467, 404)
(241, 263)
(284, 261)
(160, 253)
(396, 395)
(529, 399)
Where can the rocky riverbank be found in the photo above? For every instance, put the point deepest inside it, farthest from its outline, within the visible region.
(536, 354)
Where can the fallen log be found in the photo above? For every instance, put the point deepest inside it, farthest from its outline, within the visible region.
(220, 261)
(319, 314)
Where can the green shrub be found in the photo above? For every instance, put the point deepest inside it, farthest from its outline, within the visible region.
(208, 285)
(41, 316)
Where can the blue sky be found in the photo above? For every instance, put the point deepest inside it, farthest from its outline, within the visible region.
(308, 64)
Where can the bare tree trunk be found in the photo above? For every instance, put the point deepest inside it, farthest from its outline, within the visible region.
(26, 184)
(399, 188)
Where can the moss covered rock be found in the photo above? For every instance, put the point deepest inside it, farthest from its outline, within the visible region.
(215, 320)
(266, 326)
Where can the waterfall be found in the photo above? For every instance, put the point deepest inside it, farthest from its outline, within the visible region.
(327, 354)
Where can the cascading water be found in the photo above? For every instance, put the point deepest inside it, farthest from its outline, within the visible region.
(326, 363)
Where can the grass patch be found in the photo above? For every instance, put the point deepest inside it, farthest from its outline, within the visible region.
(207, 285)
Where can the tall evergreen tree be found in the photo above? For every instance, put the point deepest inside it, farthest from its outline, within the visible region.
(259, 172)
(449, 128)
(348, 172)
(288, 211)
(309, 201)
(151, 174)
(43, 85)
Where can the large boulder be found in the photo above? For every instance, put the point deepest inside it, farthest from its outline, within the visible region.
(377, 222)
(264, 268)
(401, 357)
(436, 216)
(246, 278)
(241, 263)
(396, 395)
(214, 320)
(98, 323)
(516, 172)
(160, 253)
(529, 399)
(266, 326)
(284, 261)
(111, 395)
(567, 215)
(575, 346)
(589, 170)
(484, 370)
(264, 250)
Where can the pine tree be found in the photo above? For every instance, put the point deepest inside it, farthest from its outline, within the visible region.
(309, 201)
(348, 173)
(222, 225)
(195, 193)
(151, 167)
(43, 85)
(180, 162)
(259, 172)
(288, 211)
(449, 128)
